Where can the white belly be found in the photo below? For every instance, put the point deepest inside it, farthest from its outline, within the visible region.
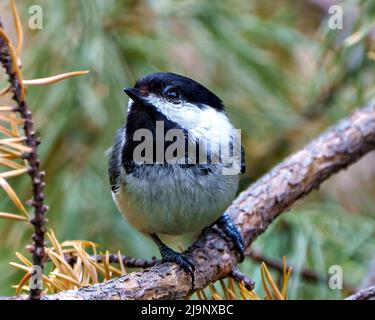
(173, 201)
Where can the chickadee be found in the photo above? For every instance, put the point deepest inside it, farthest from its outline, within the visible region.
(181, 194)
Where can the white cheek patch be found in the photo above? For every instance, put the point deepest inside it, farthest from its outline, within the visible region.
(190, 116)
(201, 123)
(215, 127)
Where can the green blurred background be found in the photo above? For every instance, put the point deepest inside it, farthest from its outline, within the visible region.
(283, 75)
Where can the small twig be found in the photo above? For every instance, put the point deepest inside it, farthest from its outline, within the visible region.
(129, 262)
(363, 294)
(7, 60)
(239, 276)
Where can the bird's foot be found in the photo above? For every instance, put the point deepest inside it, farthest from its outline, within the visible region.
(169, 255)
(230, 230)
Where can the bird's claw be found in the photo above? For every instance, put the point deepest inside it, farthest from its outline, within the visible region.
(230, 230)
(169, 255)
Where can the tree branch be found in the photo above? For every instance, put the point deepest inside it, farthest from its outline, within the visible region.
(126, 261)
(364, 294)
(252, 212)
(239, 276)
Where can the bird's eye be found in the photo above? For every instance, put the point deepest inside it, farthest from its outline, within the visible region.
(172, 94)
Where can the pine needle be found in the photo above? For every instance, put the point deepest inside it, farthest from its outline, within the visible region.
(6, 131)
(122, 267)
(24, 260)
(12, 173)
(271, 282)
(22, 283)
(11, 119)
(17, 146)
(5, 108)
(53, 79)
(214, 294)
(15, 153)
(4, 91)
(10, 163)
(18, 25)
(12, 216)
(13, 196)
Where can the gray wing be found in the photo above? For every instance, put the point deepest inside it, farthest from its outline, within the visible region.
(114, 163)
(243, 163)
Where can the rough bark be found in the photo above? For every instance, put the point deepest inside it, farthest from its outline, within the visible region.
(253, 211)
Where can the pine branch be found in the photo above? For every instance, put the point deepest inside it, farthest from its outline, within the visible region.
(252, 212)
(9, 62)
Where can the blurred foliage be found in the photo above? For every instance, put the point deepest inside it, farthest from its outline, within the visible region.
(283, 75)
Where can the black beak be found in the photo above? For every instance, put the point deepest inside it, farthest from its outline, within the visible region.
(135, 94)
